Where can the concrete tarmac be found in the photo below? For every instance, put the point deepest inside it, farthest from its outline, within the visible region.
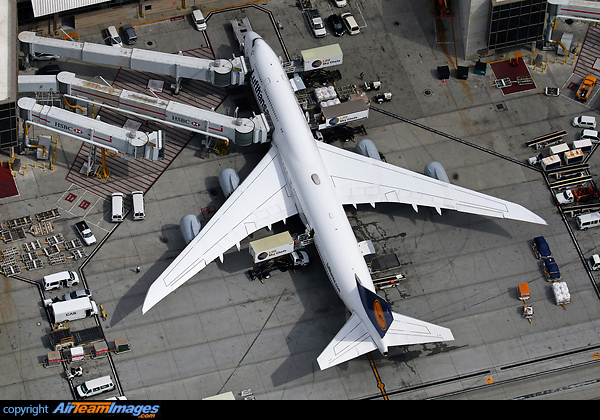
(221, 332)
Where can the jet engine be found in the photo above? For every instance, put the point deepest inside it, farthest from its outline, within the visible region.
(437, 171)
(367, 148)
(229, 180)
(190, 227)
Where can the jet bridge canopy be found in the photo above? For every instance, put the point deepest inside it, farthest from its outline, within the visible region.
(130, 143)
(242, 131)
(218, 72)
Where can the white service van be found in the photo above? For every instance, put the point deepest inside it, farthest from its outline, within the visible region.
(585, 122)
(95, 387)
(138, 205)
(199, 20)
(117, 207)
(60, 280)
(588, 220)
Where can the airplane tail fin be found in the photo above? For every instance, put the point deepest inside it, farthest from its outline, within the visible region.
(354, 339)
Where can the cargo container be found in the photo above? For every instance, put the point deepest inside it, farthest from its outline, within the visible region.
(573, 156)
(550, 162)
(271, 247)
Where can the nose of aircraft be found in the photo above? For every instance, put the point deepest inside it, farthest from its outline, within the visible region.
(250, 37)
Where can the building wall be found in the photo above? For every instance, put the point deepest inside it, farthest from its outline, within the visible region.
(474, 18)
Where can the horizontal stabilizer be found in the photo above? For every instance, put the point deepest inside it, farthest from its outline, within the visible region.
(405, 331)
(353, 339)
(350, 342)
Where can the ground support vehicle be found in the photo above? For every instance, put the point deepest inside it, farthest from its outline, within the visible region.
(546, 140)
(594, 262)
(551, 271)
(342, 133)
(382, 97)
(585, 89)
(271, 247)
(523, 291)
(85, 232)
(527, 312)
(71, 310)
(64, 338)
(583, 193)
(283, 263)
(541, 248)
(561, 293)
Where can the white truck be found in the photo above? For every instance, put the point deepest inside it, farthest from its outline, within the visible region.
(271, 247)
(320, 57)
(71, 310)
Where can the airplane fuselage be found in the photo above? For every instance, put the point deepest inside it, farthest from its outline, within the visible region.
(312, 187)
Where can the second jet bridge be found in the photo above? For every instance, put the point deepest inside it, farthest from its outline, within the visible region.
(130, 144)
(242, 131)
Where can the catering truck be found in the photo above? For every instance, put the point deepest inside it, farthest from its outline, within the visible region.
(282, 263)
(271, 247)
(71, 310)
(320, 57)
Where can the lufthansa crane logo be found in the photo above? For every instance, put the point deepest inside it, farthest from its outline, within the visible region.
(379, 315)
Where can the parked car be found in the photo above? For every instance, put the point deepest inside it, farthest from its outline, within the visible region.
(43, 56)
(589, 135)
(129, 37)
(199, 20)
(340, 3)
(585, 121)
(52, 69)
(350, 23)
(316, 23)
(541, 248)
(76, 294)
(113, 37)
(85, 232)
(337, 27)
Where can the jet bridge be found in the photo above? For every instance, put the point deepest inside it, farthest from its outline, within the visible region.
(220, 72)
(131, 144)
(242, 131)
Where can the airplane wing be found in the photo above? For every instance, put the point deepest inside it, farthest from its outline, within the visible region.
(359, 179)
(262, 199)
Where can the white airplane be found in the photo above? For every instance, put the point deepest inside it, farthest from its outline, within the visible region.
(300, 175)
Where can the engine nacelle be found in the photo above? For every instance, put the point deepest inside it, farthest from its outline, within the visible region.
(437, 171)
(229, 180)
(190, 227)
(367, 148)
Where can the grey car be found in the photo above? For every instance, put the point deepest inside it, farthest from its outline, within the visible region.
(129, 37)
